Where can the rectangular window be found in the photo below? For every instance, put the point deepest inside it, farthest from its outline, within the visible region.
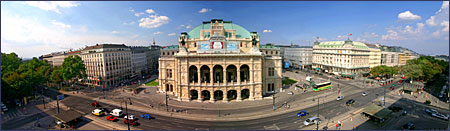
(271, 71)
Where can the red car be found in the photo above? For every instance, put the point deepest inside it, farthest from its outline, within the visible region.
(95, 104)
(132, 122)
(111, 118)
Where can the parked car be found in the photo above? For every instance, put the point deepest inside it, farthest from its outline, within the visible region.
(130, 117)
(111, 118)
(290, 93)
(364, 94)
(311, 121)
(408, 126)
(131, 122)
(95, 104)
(339, 98)
(4, 108)
(302, 114)
(98, 112)
(350, 102)
(116, 112)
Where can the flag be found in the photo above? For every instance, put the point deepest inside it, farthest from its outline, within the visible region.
(350, 34)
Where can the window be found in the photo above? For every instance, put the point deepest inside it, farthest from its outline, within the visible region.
(169, 73)
(271, 71)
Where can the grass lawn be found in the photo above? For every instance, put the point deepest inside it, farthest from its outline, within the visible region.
(152, 83)
(288, 81)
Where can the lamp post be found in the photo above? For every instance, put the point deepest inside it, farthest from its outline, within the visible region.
(126, 110)
(384, 97)
(318, 114)
(167, 104)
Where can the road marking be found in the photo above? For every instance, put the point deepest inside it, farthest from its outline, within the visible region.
(273, 127)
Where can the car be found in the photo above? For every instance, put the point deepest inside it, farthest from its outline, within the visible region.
(98, 112)
(131, 117)
(350, 102)
(111, 118)
(4, 108)
(302, 114)
(364, 94)
(116, 112)
(311, 121)
(440, 116)
(339, 98)
(95, 104)
(290, 93)
(431, 111)
(45, 87)
(131, 122)
(408, 126)
(391, 88)
(146, 116)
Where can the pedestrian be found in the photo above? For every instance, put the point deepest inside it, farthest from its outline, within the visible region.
(337, 126)
(354, 127)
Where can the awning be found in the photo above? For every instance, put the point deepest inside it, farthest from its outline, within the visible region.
(347, 75)
(68, 116)
(377, 111)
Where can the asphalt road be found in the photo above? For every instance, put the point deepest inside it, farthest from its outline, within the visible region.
(287, 121)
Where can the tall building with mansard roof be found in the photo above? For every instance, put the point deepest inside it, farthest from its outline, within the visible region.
(218, 61)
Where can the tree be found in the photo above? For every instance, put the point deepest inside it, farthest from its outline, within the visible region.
(10, 62)
(383, 70)
(413, 71)
(72, 68)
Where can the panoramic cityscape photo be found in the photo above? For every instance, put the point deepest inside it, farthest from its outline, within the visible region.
(225, 65)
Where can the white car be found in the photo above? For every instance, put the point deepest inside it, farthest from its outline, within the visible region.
(4, 108)
(290, 93)
(440, 116)
(311, 121)
(364, 94)
(339, 98)
(132, 117)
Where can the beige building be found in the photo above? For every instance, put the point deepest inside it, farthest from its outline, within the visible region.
(107, 64)
(218, 61)
(405, 56)
(390, 58)
(374, 55)
(345, 57)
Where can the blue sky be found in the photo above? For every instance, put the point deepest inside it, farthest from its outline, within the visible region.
(34, 28)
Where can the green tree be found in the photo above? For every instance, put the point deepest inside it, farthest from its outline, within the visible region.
(73, 68)
(10, 62)
(383, 70)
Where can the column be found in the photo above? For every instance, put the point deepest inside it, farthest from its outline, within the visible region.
(238, 75)
(199, 96)
(224, 76)
(199, 76)
(238, 98)
(251, 91)
(211, 96)
(225, 96)
(211, 75)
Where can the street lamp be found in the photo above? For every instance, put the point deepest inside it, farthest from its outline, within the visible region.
(126, 110)
(167, 104)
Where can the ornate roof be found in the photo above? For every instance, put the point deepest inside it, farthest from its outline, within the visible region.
(240, 31)
(333, 44)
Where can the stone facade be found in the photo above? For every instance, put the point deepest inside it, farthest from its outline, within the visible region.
(390, 58)
(341, 57)
(218, 61)
(299, 56)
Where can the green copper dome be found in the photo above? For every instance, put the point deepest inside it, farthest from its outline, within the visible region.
(240, 31)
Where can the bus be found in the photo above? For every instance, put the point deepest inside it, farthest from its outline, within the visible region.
(322, 86)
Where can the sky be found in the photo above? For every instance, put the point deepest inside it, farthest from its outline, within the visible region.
(31, 29)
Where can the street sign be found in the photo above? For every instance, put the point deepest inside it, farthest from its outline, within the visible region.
(60, 97)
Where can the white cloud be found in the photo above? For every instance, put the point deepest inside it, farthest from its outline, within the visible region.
(370, 35)
(171, 34)
(440, 16)
(153, 21)
(115, 32)
(204, 10)
(52, 5)
(391, 35)
(157, 33)
(129, 23)
(139, 14)
(60, 24)
(341, 37)
(408, 16)
(319, 39)
(150, 11)
(431, 21)
(188, 26)
(446, 25)
(267, 31)
(29, 38)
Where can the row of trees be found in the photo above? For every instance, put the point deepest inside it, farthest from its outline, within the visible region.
(424, 68)
(19, 78)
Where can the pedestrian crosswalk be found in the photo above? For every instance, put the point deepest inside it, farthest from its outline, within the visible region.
(11, 115)
(272, 127)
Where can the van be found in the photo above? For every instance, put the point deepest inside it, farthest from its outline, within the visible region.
(98, 112)
(312, 120)
(116, 112)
